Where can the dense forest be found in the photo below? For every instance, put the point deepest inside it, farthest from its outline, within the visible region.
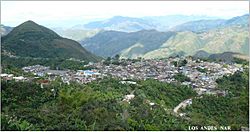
(95, 106)
(99, 105)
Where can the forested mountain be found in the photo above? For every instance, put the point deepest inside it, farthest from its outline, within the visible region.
(132, 45)
(126, 24)
(232, 38)
(223, 35)
(110, 43)
(32, 40)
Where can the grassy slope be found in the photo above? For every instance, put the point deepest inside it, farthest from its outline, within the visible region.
(234, 39)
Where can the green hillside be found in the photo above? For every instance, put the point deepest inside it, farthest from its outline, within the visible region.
(232, 39)
(212, 36)
(187, 42)
(128, 45)
(32, 40)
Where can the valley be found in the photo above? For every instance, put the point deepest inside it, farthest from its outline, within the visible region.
(97, 67)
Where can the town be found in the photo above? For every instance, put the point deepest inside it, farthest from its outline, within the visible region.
(202, 74)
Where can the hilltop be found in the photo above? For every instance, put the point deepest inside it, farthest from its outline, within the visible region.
(32, 40)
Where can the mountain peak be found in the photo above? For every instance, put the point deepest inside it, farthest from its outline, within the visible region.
(30, 22)
(30, 39)
(31, 26)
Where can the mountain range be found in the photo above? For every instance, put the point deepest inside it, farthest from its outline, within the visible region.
(120, 23)
(204, 25)
(5, 30)
(32, 40)
(147, 37)
(126, 24)
(129, 45)
(131, 24)
(221, 36)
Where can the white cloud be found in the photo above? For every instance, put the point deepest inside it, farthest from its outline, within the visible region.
(65, 12)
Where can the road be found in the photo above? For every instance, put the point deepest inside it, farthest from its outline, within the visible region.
(183, 104)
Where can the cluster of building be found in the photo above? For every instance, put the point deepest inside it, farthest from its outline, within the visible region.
(202, 74)
(67, 76)
(12, 77)
(36, 69)
(162, 70)
(165, 70)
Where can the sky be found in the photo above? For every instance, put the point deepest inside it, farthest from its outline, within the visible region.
(70, 13)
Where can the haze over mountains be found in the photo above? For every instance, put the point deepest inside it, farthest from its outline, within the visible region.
(159, 37)
(185, 39)
(130, 24)
(204, 25)
(126, 24)
(5, 30)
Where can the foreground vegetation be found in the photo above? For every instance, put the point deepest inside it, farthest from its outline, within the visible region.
(231, 110)
(99, 106)
(96, 106)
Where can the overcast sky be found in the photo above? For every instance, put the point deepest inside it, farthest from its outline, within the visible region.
(69, 13)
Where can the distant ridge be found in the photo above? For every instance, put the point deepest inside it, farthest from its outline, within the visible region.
(225, 56)
(228, 56)
(5, 30)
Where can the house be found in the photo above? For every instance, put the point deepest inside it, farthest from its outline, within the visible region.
(4, 75)
(128, 97)
(56, 72)
(152, 104)
(7, 76)
(88, 73)
(128, 82)
(20, 78)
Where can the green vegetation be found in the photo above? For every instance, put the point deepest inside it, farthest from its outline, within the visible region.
(231, 110)
(99, 106)
(180, 63)
(32, 40)
(152, 44)
(204, 70)
(181, 78)
(128, 45)
(95, 106)
(241, 61)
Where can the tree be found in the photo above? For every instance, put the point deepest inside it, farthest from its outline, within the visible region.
(182, 78)
(117, 56)
(108, 59)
